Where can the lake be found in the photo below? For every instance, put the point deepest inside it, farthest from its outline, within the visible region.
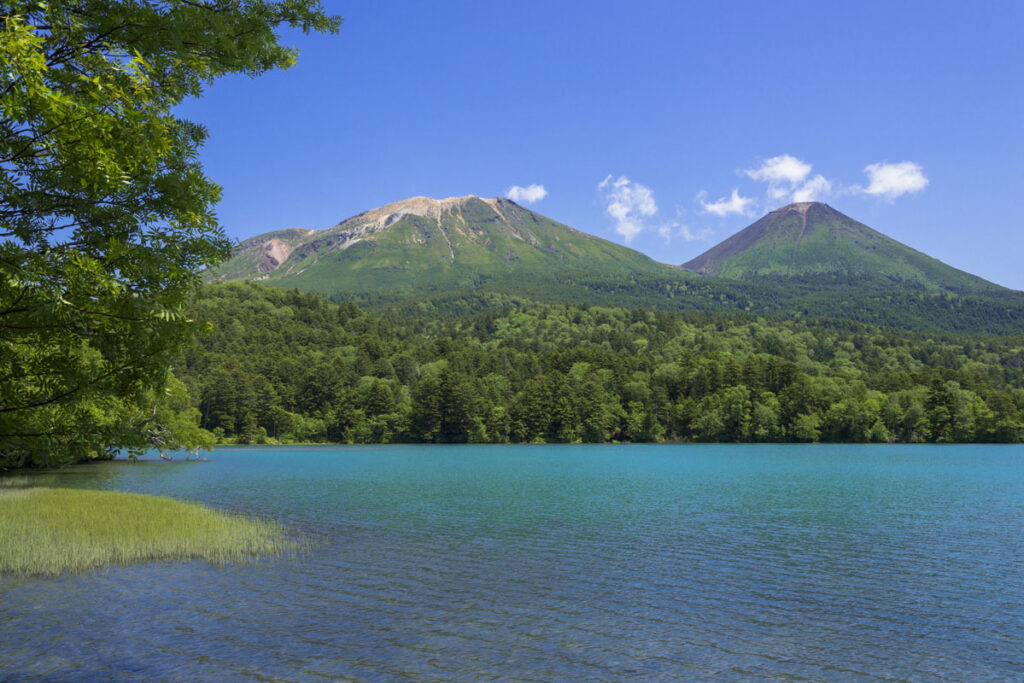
(721, 562)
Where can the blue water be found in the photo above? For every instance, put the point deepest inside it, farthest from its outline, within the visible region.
(557, 563)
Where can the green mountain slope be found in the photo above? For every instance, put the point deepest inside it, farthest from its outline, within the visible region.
(423, 243)
(813, 241)
(462, 254)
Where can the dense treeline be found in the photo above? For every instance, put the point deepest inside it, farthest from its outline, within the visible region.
(288, 366)
(893, 304)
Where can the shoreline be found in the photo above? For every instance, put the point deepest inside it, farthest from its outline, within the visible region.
(57, 531)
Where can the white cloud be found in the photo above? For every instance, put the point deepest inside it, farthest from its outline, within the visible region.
(628, 203)
(723, 207)
(526, 195)
(787, 179)
(813, 190)
(892, 180)
(781, 169)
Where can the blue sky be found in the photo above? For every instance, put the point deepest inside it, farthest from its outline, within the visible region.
(664, 126)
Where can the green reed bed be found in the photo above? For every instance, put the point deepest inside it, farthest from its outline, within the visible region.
(46, 531)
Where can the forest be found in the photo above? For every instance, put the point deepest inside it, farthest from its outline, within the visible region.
(281, 366)
(895, 304)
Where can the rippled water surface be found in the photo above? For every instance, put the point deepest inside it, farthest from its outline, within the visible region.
(556, 563)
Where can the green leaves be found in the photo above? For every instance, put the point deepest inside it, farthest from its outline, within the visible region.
(106, 217)
(289, 366)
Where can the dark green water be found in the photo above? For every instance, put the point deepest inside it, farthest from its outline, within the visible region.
(560, 563)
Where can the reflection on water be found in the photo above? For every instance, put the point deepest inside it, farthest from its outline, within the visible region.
(98, 475)
(676, 562)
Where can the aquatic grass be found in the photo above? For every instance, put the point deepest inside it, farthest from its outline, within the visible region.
(50, 531)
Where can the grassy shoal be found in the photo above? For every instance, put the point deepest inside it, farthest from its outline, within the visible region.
(50, 531)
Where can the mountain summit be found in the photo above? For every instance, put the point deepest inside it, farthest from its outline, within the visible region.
(805, 258)
(813, 241)
(436, 243)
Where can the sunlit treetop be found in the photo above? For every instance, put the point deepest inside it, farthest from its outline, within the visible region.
(106, 216)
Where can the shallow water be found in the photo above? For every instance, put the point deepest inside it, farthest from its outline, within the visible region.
(560, 562)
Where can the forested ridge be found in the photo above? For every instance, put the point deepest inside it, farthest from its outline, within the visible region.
(287, 366)
(898, 305)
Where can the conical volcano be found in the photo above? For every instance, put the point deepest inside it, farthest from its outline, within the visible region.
(813, 241)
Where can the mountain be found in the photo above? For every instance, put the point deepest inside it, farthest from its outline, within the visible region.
(434, 244)
(464, 254)
(811, 241)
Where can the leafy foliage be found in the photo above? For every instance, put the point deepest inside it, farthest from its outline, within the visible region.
(105, 214)
(290, 366)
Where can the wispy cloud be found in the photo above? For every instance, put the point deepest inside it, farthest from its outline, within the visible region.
(526, 195)
(670, 231)
(813, 190)
(893, 180)
(629, 204)
(734, 204)
(689, 235)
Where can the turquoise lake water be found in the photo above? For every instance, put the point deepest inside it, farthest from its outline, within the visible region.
(560, 563)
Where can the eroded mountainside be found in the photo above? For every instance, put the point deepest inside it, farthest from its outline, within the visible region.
(429, 242)
(803, 259)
